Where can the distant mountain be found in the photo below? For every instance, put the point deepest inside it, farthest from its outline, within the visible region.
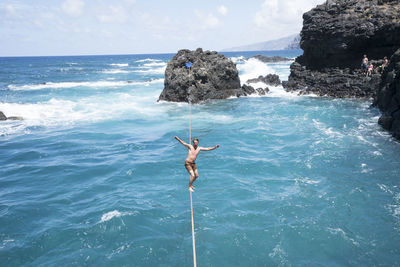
(286, 43)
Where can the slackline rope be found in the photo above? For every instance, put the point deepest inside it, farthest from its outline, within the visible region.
(191, 202)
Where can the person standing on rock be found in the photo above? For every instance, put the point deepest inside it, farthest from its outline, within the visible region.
(385, 63)
(370, 69)
(364, 64)
(190, 165)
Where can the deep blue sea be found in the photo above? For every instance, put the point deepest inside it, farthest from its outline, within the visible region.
(93, 176)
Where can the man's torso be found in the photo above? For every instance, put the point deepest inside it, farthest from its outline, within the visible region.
(192, 153)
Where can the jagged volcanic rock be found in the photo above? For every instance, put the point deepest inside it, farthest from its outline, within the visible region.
(213, 76)
(388, 97)
(335, 36)
(270, 79)
(339, 32)
(336, 82)
(2, 116)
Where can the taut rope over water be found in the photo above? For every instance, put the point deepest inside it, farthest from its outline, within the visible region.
(191, 202)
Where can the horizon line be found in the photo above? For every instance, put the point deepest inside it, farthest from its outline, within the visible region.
(163, 53)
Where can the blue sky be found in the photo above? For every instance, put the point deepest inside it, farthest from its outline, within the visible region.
(87, 27)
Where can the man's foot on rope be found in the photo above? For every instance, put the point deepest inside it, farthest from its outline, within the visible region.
(191, 188)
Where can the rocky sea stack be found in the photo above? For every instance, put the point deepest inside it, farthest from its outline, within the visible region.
(212, 76)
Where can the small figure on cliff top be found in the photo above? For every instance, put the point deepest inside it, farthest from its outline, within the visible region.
(190, 165)
(364, 64)
(370, 69)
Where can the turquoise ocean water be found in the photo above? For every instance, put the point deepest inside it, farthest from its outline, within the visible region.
(94, 177)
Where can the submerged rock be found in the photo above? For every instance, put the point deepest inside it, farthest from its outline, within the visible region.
(15, 118)
(388, 97)
(212, 76)
(262, 91)
(271, 59)
(270, 79)
(2, 116)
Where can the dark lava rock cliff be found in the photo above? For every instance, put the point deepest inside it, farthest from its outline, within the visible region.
(388, 98)
(334, 38)
(339, 32)
(212, 76)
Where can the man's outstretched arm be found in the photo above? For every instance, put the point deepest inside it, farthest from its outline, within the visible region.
(180, 141)
(209, 148)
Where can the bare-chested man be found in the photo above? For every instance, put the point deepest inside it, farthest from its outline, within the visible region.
(193, 151)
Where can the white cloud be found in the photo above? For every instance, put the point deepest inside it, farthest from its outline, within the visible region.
(283, 17)
(207, 21)
(11, 9)
(114, 14)
(223, 10)
(74, 8)
(130, 2)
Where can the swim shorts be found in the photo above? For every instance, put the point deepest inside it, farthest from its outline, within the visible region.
(190, 166)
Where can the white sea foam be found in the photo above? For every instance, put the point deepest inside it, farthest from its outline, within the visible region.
(279, 254)
(278, 91)
(306, 180)
(377, 153)
(109, 215)
(237, 59)
(114, 71)
(252, 68)
(53, 85)
(113, 214)
(116, 214)
(152, 64)
(152, 71)
(258, 85)
(326, 130)
(120, 64)
(339, 231)
(148, 59)
(139, 103)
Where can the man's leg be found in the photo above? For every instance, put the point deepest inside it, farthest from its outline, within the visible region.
(191, 180)
(192, 175)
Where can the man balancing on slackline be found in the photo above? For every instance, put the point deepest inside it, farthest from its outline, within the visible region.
(193, 151)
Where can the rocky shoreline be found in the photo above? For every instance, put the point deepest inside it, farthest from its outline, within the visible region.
(334, 38)
(333, 82)
(388, 96)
